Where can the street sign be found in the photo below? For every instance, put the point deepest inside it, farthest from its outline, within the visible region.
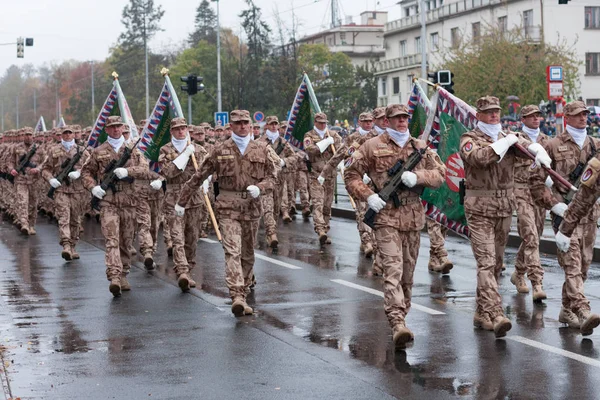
(554, 73)
(555, 89)
(221, 118)
(259, 116)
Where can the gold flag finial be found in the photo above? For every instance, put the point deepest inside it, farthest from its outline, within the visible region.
(164, 71)
(115, 75)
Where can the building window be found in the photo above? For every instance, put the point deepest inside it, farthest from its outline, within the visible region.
(454, 38)
(384, 86)
(528, 18)
(503, 24)
(343, 35)
(593, 102)
(476, 32)
(418, 44)
(592, 18)
(330, 41)
(402, 48)
(396, 85)
(592, 63)
(435, 41)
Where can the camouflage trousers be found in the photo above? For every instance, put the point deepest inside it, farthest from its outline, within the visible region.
(365, 232)
(488, 240)
(301, 185)
(26, 204)
(398, 251)
(322, 198)
(530, 225)
(576, 264)
(168, 220)
(68, 209)
(269, 218)
(290, 189)
(118, 228)
(185, 232)
(148, 219)
(239, 239)
(437, 239)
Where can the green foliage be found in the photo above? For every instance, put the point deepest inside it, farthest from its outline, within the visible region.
(205, 25)
(142, 21)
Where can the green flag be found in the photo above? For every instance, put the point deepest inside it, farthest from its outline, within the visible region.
(419, 108)
(302, 114)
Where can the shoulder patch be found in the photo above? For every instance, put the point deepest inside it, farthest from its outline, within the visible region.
(468, 147)
(351, 150)
(590, 174)
(307, 142)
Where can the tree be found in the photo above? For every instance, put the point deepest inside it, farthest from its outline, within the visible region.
(142, 21)
(365, 79)
(205, 25)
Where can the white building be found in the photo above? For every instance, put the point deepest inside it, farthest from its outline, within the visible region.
(361, 42)
(449, 21)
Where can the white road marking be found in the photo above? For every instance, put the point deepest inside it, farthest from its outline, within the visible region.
(209, 240)
(573, 356)
(379, 293)
(269, 259)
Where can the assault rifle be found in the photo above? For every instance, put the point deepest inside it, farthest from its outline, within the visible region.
(390, 190)
(24, 162)
(67, 166)
(109, 179)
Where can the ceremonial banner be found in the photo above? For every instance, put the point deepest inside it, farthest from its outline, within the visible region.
(115, 98)
(302, 114)
(419, 107)
(157, 131)
(61, 122)
(41, 125)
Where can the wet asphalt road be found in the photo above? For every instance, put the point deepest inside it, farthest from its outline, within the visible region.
(319, 332)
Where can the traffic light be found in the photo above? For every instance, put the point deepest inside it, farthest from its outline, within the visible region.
(433, 77)
(29, 42)
(445, 79)
(20, 48)
(193, 84)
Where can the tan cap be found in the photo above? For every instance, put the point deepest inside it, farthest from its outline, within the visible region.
(227, 126)
(113, 120)
(239, 115)
(271, 119)
(198, 129)
(26, 131)
(530, 110)
(366, 116)
(177, 122)
(219, 128)
(67, 129)
(575, 107)
(394, 110)
(321, 117)
(488, 103)
(379, 112)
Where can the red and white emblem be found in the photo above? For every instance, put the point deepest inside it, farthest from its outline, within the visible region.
(307, 142)
(351, 150)
(587, 174)
(455, 171)
(468, 147)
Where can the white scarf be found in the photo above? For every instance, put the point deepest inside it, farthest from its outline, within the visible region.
(320, 132)
(241, 142)
(179, 144)
(116, 143)
(68, 145)
(362, 131)
(492, 130)
(532, 133)
(378, 129)
(578, 135)
(399, 137)
(272, 135)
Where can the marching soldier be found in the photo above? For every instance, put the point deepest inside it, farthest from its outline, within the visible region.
(177, 167)
(397, 230)
(489, 161)
(570, 151)
(117, 212)
(318, 146)
(438, 255)
(246, 169)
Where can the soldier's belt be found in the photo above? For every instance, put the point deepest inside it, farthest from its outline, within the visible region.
(409, 200)
(489, 193)
(233, 194)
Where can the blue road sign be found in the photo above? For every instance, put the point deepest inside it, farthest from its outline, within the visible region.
(259, 116)
(221, 118)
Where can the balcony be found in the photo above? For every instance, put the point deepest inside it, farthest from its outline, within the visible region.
(396, 64)
(530, 34)
(365, 49)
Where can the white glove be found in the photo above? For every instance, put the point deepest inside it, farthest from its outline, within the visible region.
(281, 163)
(74, 175)
(254, 191)
(559, 209)
(375, 202)
(541, 156)
(179, 211)
(209, 178)
(205, 185)
(321, 180)
(549, 182)
(98, 192)
(562, 242)
(121, 173)
(189, 150)
(409, 178)
(156, 184)
(366, 179)
(501, 146)
(325, 143)
(54, 183)
(182, 160)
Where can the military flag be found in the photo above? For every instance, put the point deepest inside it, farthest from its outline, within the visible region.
(419, 108)
(61, 122)
(41, 125)
(302, 114)
(115, 104)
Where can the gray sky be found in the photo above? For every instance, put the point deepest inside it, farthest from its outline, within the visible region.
(86, 29)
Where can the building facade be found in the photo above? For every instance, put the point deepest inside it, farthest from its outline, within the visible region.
(450, 21)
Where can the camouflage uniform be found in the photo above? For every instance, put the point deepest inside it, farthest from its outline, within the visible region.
(397, 230)
(237, 211)
(438, 256)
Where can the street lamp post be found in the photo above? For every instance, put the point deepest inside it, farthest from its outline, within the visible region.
(219, 104)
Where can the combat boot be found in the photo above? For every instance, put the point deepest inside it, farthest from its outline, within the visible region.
(286, 218)
(248, 310)
(192, 282)
(32, 231)
(433, 264)
(66, 253)
(305, 214)
(566, 316)
(75, 255)
(293, 210)
(368, 249)
(538, 293)
(184, 282)
(401, 336)
(272, 241)
(323, 238)
(125, 286)
(115, 286)
(445, 265)
(24, 230)
(132, 251)
(148, 261)
(501, 326)
(170, 249)
(238, 306)
(482, 320)
(519, 281)
(588, 321)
